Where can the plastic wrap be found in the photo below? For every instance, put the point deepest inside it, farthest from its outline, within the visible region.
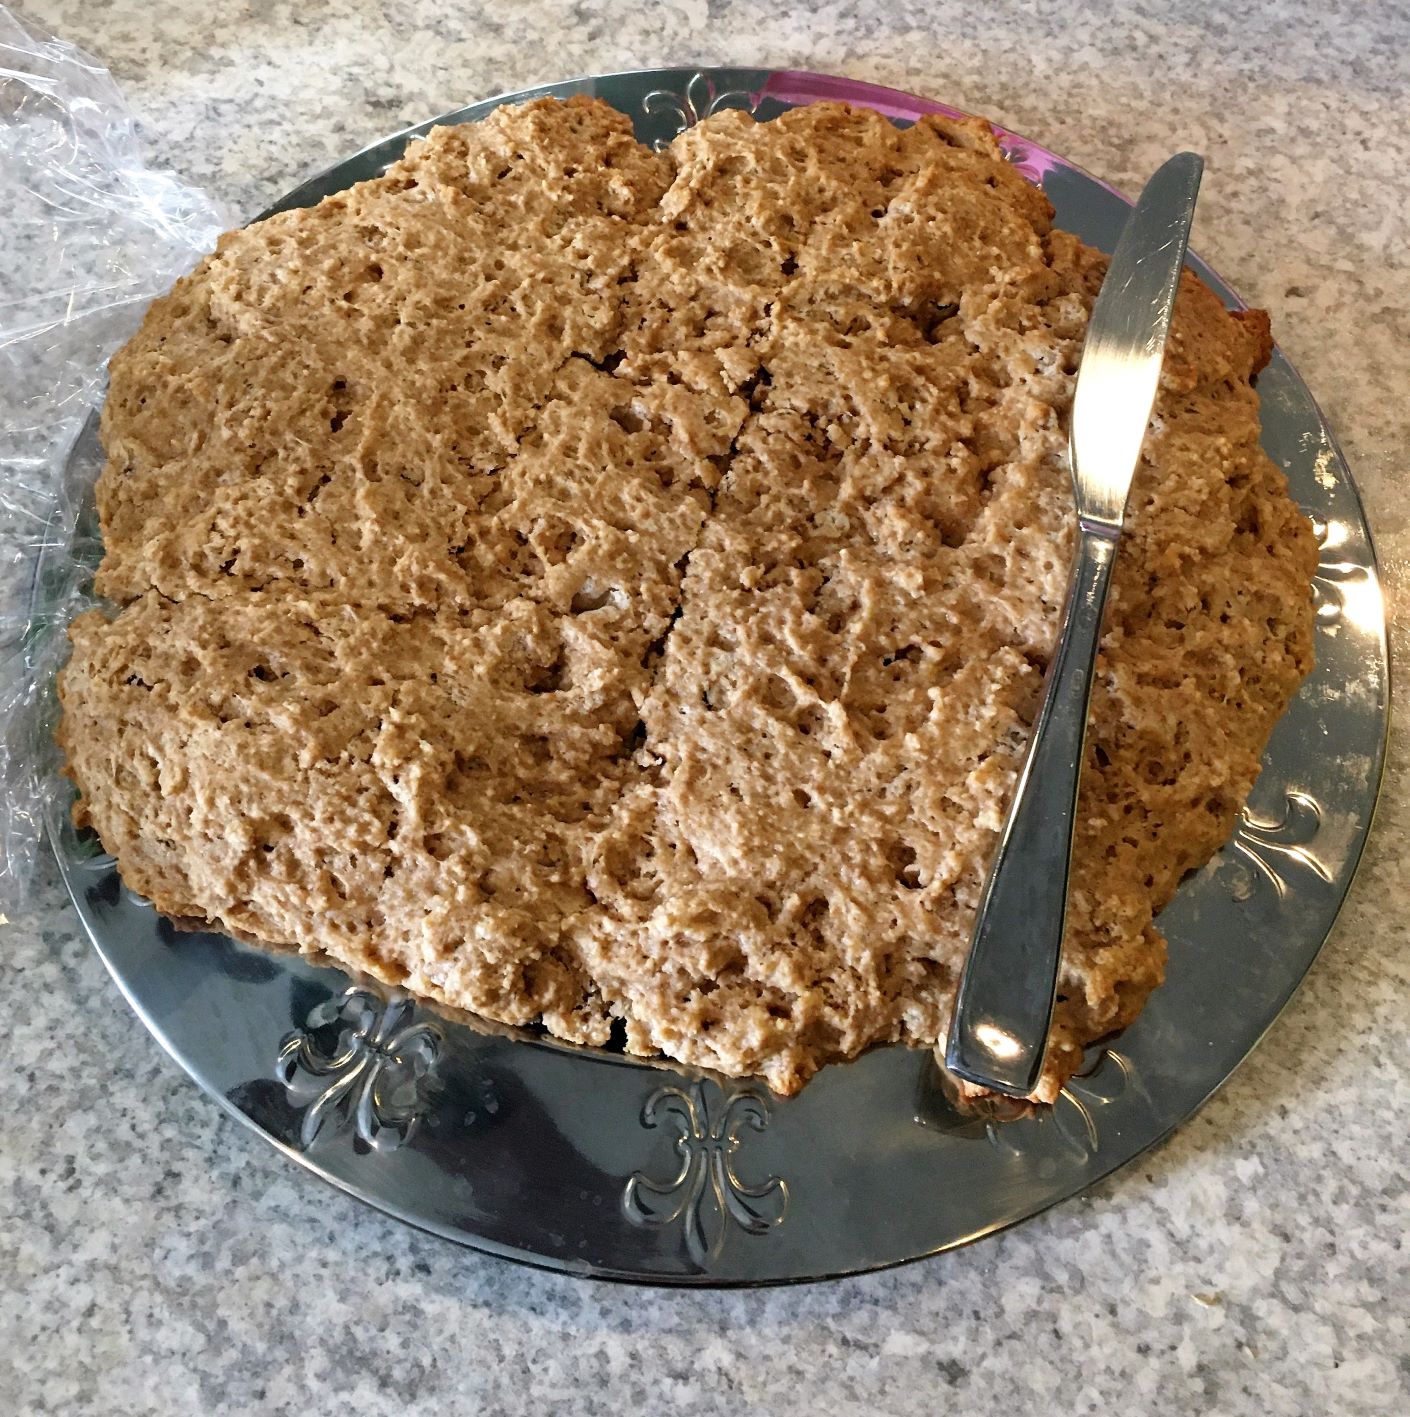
(88, 235)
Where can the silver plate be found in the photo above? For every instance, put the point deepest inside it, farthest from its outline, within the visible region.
(597, 1164)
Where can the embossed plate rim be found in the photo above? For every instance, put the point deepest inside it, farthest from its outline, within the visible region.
(198, 997)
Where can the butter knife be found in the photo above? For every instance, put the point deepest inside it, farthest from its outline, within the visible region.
(1004, 1007)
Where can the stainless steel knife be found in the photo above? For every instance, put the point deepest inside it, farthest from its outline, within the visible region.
(1005, 1003)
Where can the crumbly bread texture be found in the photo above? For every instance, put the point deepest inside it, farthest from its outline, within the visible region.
(582, 584)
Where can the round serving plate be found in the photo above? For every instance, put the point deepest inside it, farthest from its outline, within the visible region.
(598, 1164)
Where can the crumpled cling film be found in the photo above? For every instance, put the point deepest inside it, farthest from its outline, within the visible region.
(88, 235)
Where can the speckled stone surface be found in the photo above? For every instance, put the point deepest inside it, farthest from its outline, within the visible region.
(154, 1257)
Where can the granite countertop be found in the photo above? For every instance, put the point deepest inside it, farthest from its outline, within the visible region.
(156, 1257)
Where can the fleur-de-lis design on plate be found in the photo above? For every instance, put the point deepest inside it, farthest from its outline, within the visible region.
(706, 1193)
(699, 100)
(1335, 578)
(1267, 847)
(1074, 1116)
(1033, 162)
(360, 1058)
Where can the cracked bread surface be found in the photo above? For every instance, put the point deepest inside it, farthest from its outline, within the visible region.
(581, 584)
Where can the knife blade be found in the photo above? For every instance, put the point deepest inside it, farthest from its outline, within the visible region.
(1003, 1009)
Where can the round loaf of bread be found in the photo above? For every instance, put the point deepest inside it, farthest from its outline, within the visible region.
(612, 589)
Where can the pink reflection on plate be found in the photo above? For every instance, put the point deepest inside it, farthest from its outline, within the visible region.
(796, 86)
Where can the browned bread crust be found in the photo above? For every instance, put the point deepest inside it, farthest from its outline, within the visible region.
(579, 583)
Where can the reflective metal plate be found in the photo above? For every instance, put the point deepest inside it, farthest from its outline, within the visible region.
(599, 1165)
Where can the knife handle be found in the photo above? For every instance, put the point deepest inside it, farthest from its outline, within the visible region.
(1005, 1001)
